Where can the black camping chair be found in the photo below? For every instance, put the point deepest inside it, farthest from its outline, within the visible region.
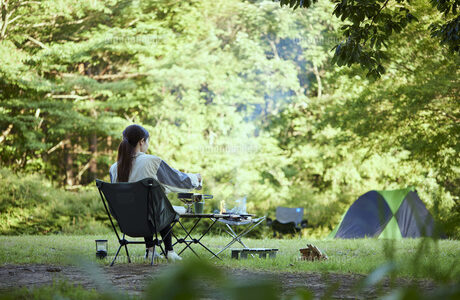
(141, 209)
(288, 221)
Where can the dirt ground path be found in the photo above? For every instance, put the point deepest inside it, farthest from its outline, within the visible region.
(133, 278)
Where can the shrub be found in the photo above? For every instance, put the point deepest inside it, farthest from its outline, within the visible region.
(30, 204)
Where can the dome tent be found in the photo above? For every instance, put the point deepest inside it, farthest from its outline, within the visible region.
(392, 214)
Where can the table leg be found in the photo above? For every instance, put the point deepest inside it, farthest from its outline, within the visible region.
(237, 238)
(206, 232)
(188, 234)
(192, 240)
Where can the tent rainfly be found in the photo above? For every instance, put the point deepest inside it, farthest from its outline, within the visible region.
(392, 214)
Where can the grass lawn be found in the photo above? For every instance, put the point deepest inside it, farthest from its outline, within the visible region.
(438, 260)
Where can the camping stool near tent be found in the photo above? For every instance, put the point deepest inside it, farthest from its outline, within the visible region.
(261, 251)
(288, 220)
(394, 214)
(141, 209)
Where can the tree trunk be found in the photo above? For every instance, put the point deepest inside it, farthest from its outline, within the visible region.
(109, 146)
(70, 179)
(23, 160)
(318, 79)
(93, 159)
(275, 51)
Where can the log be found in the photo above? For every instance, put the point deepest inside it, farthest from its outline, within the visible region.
(311, 253)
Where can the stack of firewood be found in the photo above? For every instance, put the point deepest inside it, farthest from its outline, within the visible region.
(312, 253)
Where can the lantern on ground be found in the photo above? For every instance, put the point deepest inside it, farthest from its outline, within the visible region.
(101, 248)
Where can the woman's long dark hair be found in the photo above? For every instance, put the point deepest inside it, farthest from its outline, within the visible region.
(131, 136)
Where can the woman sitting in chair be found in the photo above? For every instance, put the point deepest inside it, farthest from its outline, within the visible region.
(133, 164)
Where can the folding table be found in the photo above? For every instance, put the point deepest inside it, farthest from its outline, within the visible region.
(244, 220)
(228, 219)
(188, 239)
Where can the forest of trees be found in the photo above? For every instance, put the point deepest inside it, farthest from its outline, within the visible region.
(244, 92)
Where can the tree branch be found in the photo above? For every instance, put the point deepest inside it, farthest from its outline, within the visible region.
(117, 76)
(5, 17)
(14, 19)
(23, 3)
(378, 13)
(449, 116)
(6, 132)
(54, 23)
(108, 76)
(83, 170)
(130, 119)
(61, 143)
(76, 97)
(37, 42)
(7, 13)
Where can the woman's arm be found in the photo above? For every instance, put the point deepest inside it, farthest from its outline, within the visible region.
(176, 181)
(112, 172)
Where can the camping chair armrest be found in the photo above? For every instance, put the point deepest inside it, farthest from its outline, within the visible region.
(304, 224)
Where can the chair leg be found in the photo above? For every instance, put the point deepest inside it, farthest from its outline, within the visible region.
(127, 253)
(153, 255)
(159, 242)
(163, 251)
(118, 251)
(126, 248)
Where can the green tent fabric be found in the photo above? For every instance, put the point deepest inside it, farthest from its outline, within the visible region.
(391, 230)
(391, 214)
(394, 198)
(332, 234)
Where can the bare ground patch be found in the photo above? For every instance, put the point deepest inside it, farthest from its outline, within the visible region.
(133, 279)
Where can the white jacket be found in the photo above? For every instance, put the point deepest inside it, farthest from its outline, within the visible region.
(151, 166)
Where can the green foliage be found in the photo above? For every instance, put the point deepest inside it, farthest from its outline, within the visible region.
(31, 205)
(369, 26)
(399, 131)
(58, 290)
(244, 92)
(449, 31)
